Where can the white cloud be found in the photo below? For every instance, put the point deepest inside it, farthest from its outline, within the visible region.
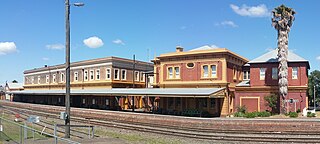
(45, 59)
(253, 11)
(7, 47)
(318, 58)
(227, 23)
(118, 41)
(55, 46)
(93, 42)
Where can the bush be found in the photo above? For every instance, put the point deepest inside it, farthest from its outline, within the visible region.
(263, 114)
(309, 114)
(272, 101)
(242, 109)
(239, 114)
(251, 115)
(298, 111)
(293, 114)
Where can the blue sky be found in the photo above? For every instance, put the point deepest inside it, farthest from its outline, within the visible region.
(32, 33)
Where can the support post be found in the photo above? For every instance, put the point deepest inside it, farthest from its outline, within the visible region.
(55, 134)
(133, 81)
(67, 66)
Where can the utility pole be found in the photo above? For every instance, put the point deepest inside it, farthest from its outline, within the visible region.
(133, 80)
(314, 96)
(67, 97)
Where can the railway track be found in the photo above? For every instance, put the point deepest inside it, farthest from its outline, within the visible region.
(208, 134)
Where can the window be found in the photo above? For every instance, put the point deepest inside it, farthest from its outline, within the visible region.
(38, 79)
(262, 73)
(190, 65)
(47, 78)
(93, 101)
(107, 102)
(136, 76)
(213, 71)
(116, 74)
(86, 75)
(91, 75)
(76, 75)
(123, 74)
(83, 101)
(62, 77)
(212, 103)
(98, 74)
(295, 73)
(177, 72)
(32, 80)
(246, 75)
(234, 73)
(170, 72)
(54, 78)
(142, 77)
(205, 71)
(108, 73)
(274, 73)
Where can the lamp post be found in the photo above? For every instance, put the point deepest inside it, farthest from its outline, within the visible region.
(67, 66)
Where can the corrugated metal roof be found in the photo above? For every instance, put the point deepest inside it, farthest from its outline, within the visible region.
(182, 92)
(206, 47)
(244, 83)
(272, 57)
(15, 85)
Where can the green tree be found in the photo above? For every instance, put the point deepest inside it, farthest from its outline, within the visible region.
(313, 80)
(282, 20)
(272, 102)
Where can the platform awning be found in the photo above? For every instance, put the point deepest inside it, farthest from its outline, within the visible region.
(160, 92)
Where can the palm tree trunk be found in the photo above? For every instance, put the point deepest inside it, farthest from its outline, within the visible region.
(283, 66)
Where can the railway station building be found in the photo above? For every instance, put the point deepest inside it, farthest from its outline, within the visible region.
(260, 79)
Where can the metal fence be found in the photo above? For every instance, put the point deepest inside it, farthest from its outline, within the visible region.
(16, 132)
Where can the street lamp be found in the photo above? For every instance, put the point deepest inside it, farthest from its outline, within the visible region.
(67, 97)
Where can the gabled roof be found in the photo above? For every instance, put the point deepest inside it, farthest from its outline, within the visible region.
(271, 57)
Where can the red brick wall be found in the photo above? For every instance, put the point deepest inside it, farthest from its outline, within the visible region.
(230, 77)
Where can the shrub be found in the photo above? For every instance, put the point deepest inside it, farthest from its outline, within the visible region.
(242, 109)
(309, 114)
(251, 115)
(272, 101)
(263, 114)
(298, 111)
(293, 114)
(239, 114)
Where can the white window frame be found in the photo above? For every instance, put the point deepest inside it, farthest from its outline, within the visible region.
(93, 101)
(86, 75)
(62, 77)
(39, 78)
(142, 78)
(213, 73)
(107, 102)
(91, 75)
(177, 74)
(123, 77)
(170, 72)
(47, 78)
(108, 73)
(136, 76)
(205, 74)
(262, 73)
(246, 75)
(54, 78)
(274, 73)
(116, 74)
(97, 74)
(76, 76)
(83, 101)
(32, 80)
(295, 71)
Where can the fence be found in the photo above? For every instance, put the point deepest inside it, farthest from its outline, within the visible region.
(21, 133)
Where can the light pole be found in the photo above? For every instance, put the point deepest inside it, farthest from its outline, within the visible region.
(67, 97)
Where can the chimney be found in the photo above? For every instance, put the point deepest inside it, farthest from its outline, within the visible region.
(179, 49)
(45, 65)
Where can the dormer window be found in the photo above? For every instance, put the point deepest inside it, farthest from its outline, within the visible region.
(295, 73)
(262, 73)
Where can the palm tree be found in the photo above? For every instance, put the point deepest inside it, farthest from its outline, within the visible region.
(282, 20)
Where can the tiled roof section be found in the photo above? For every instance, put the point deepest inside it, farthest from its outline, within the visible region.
(206, 47)
(244, 83)
(272, 57)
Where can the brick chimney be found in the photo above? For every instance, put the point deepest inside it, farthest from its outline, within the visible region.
(179, 49)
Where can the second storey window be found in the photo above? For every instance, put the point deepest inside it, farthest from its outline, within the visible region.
(86, 75)
(116, 74)
(170, 72)
(91, 75)
(205, 71)
(32, 80)
(274, 73)
(262, 73)
(54, 78)
(295, 73)
(76, 76)
(213, 71)
(98, 74)
(136, 76)
(123, 74)
(108, 73)
(177, 72)
(246, 75)
(62, 77)
(142, 77)
(47, 78)
(38, 79)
